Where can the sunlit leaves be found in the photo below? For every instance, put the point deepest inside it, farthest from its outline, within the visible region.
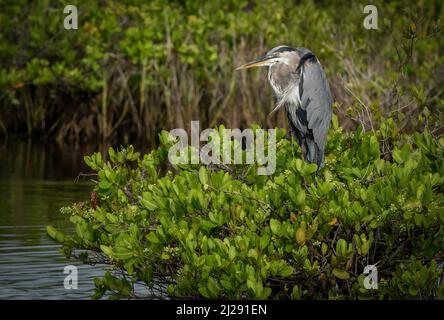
(55, 234)
(107, 250)
(219, 235)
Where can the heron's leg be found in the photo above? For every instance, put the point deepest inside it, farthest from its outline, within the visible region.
(304, 149)
(318, 162)
(303, 146)
(304, 183)
(315, 181)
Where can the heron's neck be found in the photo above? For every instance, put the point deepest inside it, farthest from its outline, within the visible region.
(285, 84)
(282, 79)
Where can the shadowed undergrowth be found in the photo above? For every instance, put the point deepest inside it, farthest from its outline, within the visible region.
(134, 68)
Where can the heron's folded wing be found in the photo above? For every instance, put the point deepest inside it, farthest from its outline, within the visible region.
(316, 100)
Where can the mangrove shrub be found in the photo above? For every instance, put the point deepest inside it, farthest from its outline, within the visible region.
(195, 231)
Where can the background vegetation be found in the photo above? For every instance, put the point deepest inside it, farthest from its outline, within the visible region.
(135, 67)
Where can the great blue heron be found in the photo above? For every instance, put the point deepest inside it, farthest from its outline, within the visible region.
(300, 85)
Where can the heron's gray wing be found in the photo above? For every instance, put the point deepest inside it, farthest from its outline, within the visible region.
(316, 100)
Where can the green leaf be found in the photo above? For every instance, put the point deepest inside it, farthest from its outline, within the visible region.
(55, 234)
(335, 123)
(203, 176)
(112, 153)
(311, 168)
(148, 204)
(251, 283)
(397, 155)
(232, 253)
(341, 247)
(341, 274)
(292, 194)
(213, 287)
(104, 184)
(365, 247)
(299, 164)
(123, 253)
(324, 248)
(300, 198)
(252, 253)
(152, 238)
(296, 293)
(265, 293)
(107, 250)
(52, 232)
(275, 226)
(203, 291)
(112, 217)
(287, 271)
(265, 240)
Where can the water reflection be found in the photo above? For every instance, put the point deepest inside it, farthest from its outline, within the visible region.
(35, 181)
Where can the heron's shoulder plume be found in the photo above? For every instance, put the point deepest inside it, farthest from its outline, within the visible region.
(304, 51)
(279, 104)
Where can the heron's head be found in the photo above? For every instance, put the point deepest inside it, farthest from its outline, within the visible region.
(281, 54)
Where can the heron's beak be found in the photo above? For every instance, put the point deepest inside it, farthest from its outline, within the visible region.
(259, 62)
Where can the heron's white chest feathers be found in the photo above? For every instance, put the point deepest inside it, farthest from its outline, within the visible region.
(293, 96)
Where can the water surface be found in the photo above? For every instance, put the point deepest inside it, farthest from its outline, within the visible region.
(35, 181)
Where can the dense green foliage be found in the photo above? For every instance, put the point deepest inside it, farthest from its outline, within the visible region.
(136, 67)
(202, 231)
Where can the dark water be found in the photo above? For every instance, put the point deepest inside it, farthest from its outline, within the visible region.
(35, 181)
